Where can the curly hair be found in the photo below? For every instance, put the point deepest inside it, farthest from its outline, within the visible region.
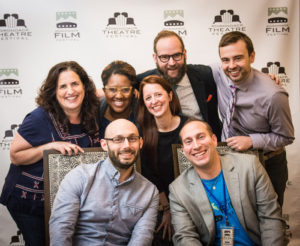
(89, 110)
(146, 120)
(119, 67)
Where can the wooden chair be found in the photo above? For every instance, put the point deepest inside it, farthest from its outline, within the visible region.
(181, 163)
(56, 166)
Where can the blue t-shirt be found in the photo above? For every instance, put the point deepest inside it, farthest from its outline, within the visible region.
(216, 199)
(23, 190)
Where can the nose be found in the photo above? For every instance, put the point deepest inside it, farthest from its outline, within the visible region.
(70, 89)
(119, 94)
(171, 61)
(153, 99)
(232, 64)
(126, 143)
(195, 144)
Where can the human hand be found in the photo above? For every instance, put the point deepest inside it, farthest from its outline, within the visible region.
(275, 78)
(65, 148)
(166, 225)
(239, 143)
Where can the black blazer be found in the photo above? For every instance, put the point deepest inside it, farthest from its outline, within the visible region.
(205, 91)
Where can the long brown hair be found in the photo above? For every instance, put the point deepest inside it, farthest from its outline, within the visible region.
(146, 120)
(89, 110)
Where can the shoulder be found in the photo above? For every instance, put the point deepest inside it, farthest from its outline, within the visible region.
(84, 171)
(183, 180)
(143, 75)
(203, 69)
(266, 84)
(144, 185)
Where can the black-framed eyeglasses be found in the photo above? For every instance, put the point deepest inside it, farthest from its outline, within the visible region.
(166, 58)
(121, 139)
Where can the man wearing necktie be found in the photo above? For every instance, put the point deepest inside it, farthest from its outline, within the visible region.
(260, 116)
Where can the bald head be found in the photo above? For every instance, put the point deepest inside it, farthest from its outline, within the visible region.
(120, 127)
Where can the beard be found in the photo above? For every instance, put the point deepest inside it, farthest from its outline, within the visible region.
(122, 164)
(173, 80)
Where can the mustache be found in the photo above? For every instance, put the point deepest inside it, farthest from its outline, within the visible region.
(127, 151)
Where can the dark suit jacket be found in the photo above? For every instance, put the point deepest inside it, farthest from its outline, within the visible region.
(205, 91)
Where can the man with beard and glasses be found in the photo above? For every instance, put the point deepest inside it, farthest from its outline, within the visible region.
(107, 203)
(193, 84)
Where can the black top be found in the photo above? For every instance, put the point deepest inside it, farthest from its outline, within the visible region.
(162, 174)
(205, 91)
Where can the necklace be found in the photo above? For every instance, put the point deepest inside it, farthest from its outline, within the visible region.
(213, 186)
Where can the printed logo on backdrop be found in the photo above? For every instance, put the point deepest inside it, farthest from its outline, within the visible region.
(277, 21)
(9, 83)
(13, 28)
(226, 21)
(121, 25)
(17, 240)
(8, 136)
(174, 21)
(276, 69)
(66, 26)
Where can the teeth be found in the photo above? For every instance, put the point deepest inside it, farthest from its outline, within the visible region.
(118, 103)
(200, 154)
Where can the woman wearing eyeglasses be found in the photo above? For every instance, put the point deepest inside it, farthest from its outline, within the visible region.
(118, 80)
(160, 124)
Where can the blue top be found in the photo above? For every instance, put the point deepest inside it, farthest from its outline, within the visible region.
(92, 208)
(23, 190)
(217, 199)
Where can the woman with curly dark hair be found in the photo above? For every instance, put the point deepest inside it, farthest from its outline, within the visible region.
(66, 120)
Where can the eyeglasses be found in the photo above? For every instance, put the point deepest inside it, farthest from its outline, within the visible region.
(126, 90)
(166, 58)
(121, 139)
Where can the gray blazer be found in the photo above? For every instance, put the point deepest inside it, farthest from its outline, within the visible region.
(252, 197)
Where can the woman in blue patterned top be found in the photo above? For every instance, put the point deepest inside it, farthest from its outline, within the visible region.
(67, 121)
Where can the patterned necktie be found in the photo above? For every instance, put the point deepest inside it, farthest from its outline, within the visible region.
(229, 114)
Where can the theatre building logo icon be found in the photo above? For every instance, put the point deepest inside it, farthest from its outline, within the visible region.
(121, 25)
(13, 28)
(174, 21)
(276, 69)
(226, 21)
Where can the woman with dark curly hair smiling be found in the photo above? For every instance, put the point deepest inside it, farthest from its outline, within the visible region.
(66, 120)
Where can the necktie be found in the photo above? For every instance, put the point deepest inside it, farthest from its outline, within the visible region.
(229, 113)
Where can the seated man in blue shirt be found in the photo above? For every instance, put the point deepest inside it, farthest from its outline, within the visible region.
(222, 200)
(107, 203)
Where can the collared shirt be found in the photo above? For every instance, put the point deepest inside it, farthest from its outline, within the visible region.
(261, 111)
(188, 102)
(93, 208)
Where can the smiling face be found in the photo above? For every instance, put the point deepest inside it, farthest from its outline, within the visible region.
(236, 61)
(199, 146)
(122, 155)
(69, 91)
(172, 71)
(157, 100)
(120, 100)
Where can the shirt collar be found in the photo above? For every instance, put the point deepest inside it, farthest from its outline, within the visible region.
(114, 174)
(184, 81)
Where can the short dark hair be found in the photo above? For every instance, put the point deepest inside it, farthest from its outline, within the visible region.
(192, 119)
(119, 67)
(233, 37)
(166, 34)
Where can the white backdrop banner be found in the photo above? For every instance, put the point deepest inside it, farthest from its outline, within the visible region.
(35, 35)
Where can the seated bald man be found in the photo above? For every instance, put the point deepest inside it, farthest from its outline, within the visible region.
(107, 203)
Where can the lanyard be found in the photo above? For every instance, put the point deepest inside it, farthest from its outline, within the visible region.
(222, 208)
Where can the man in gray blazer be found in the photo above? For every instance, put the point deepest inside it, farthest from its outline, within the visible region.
(222, 200)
